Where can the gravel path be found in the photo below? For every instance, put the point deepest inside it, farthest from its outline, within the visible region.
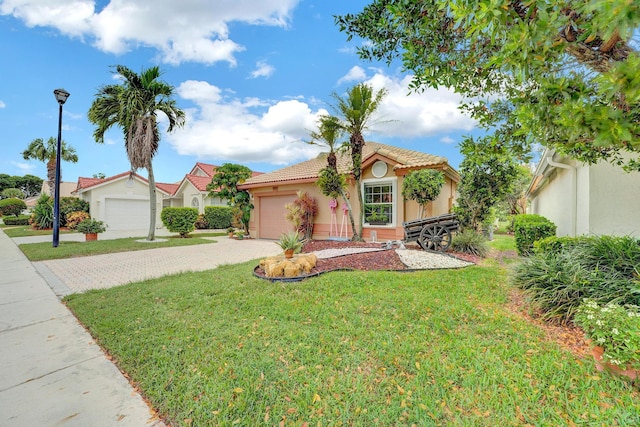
(413, 259)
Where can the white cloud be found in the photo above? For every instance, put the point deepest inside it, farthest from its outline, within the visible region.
(2, 104)
(447, 140)
(224, 127)
(262, 70)
(182, 31)
(24, 167)
(356, 74)
(404, 113)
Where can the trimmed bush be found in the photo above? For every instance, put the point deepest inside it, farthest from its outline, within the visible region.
(560, 274)
(201, 222)
(16, 220)
(470, 242)
(43, 213)
(179, 220)
(558, 244)
(75, 218)
(218, 217)
(528, 229)
(12, 206)
(69, 205)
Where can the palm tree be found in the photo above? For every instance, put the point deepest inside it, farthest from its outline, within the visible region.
(133, 106)
(40, 151)
(356, 110)
(330, 130)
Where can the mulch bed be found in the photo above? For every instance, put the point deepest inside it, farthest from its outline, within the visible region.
(368, 261)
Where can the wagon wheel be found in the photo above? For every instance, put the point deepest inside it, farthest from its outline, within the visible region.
(435, 237)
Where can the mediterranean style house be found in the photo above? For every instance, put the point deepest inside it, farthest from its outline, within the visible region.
(383, 171)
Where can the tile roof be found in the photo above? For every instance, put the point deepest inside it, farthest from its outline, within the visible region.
(308, 170)
(168, 188)
(200, 182)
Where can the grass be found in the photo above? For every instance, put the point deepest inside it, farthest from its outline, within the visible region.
(346, 348)
(44, 251)
(26, 231)
(503, 242)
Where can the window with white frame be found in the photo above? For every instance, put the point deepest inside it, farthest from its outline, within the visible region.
(195, 203)
(379, 196)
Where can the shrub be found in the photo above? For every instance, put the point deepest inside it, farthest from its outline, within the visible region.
(470, 242)
(201, 222)
(16, 220)
(530, 228)
(556, 245)
(69, 205)
(43, 213)
(12, 206)
(605, 269)
(91, 226)
(75, 218)
(14, 193)
(218, 217)
(179, 220)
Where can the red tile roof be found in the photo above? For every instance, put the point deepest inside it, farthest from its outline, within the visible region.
(308, 170)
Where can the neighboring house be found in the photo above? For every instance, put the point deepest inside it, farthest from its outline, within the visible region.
(585, 199)
(383, 171)
(66, 190)
(122, 201)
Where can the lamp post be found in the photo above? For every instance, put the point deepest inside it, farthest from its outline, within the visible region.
(61, 96)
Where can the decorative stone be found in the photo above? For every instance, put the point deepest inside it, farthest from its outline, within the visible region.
(279, 266)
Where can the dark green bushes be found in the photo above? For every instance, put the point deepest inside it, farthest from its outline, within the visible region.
(12, 206)
(564, 271)
(68, 205)
(179, 220)
(218, 217)
(16, 220)
(530, 228)
(43, 213)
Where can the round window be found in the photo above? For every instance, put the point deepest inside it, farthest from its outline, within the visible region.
(379, 169)
(195, 202)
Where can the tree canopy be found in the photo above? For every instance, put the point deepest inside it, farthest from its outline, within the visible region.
(133, 106)
(47, 152)
(224, 184)
(423, 186)
(564, 73)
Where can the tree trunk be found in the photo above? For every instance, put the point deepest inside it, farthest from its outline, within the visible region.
(51, 174)
(152, 203)
(346, 200)
(357, 142)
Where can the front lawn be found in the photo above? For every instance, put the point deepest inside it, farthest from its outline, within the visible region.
(44, 251)
(26, 230)
(427, 348)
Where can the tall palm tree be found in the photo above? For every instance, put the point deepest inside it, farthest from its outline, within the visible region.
(330, 131)
(40, 151)
(133, 106)
(356, 109)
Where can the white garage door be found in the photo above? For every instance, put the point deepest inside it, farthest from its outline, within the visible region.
(273, 220)
(127, 214)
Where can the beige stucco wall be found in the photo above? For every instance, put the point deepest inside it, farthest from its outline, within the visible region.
(404, 210)
(615, 201)
(188, 192)
(603, 200)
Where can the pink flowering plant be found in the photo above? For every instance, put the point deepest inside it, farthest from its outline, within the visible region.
(613, 327)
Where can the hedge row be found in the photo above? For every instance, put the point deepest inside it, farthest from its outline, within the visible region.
(530, 228)
(179, 220)
(218, 217)
(16, 220)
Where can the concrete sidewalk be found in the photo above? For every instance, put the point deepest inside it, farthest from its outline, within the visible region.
(52, 373)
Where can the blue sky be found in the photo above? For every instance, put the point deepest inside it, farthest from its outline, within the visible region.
(252, 76)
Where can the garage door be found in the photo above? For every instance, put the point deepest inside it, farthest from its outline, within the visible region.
(127, 214)
(273, 220)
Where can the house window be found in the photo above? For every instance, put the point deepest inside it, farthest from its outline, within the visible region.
(195, 203)
(379, 198)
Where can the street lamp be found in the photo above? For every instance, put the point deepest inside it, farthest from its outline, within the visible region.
(61, 96)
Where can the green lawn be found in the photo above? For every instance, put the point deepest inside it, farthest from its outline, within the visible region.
(44, 251)
(27, 230)
(346, 348)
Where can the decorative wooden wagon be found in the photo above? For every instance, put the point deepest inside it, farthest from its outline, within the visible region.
(433, 233)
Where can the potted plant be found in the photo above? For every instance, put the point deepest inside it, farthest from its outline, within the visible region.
(239, 234)
(231, 230)
(91, 227)
(290, 243)
(613, 330)
(377, 217)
